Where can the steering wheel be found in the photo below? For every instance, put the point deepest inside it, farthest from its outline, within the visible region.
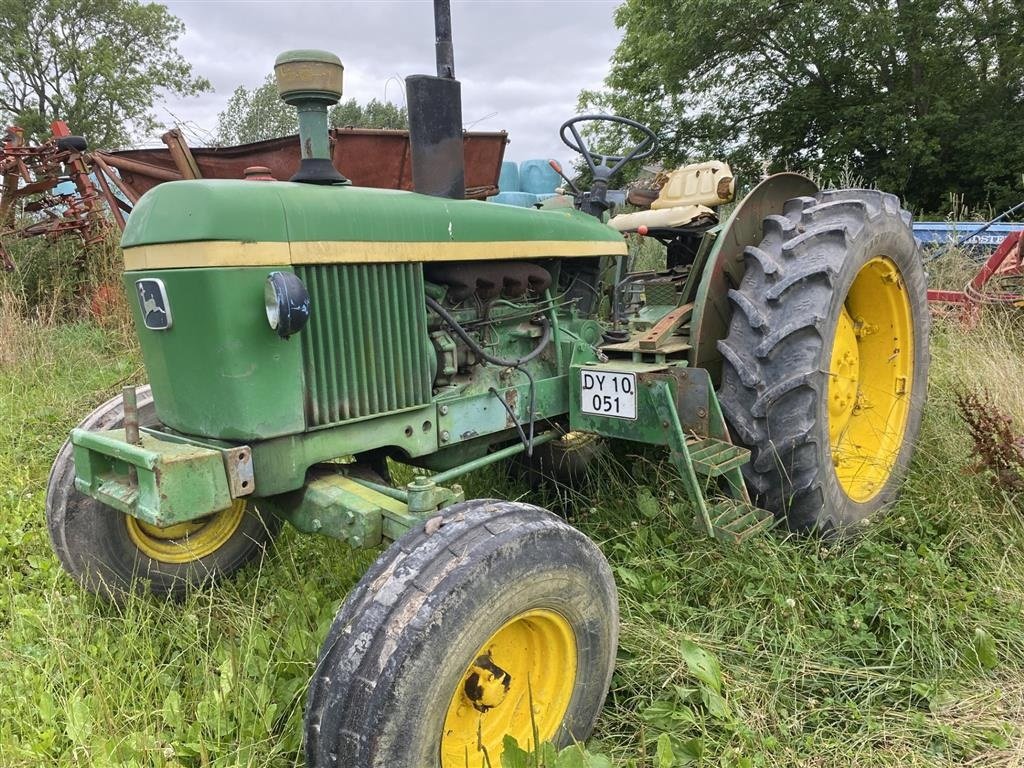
(610, 162)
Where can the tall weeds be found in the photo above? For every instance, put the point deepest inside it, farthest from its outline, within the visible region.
(59, 282)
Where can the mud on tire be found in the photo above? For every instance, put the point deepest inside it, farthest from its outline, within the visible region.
(394, 663)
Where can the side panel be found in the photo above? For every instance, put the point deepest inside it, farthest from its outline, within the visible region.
(219, 370)
(688, 386)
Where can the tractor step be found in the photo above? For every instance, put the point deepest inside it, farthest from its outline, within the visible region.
(735, 520)
(712, 457)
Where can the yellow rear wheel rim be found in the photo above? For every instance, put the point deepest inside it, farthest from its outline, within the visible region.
(530, 660)
(186, 542)
(870, 375)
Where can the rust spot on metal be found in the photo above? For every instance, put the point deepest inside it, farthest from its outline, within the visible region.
(512, 400)
(665, 327)
(258, 173)
(487, 684)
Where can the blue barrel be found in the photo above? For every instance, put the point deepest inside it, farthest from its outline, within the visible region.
(538, 177)
(521, 199)
(508, 179)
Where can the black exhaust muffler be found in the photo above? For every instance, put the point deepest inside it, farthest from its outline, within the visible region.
(435, 118)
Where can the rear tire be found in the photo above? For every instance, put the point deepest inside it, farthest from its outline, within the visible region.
(112, 554)
(423, 652)
(826, 359)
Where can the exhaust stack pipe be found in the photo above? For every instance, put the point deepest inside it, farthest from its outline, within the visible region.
(311, 81)
(435, 118)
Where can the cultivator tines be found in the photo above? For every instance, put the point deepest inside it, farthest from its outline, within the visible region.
(33, 172)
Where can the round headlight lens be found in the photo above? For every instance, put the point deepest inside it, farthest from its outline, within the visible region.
(287, 303)
(270, 301)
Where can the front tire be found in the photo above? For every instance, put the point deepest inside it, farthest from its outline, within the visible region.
(455, 632)
(826, 360)
(112, 554)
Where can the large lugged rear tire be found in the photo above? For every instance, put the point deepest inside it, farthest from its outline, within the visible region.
(456, 633)
(112, 554)
(826, 359)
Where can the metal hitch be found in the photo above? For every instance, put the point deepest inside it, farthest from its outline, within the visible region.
(159, 480)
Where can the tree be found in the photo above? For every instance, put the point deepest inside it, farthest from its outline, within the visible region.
(97, 64)
(258, 114)
(920, 97)
(255, 115)
(376, 114)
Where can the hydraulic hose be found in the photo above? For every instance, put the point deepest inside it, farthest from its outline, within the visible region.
(517, 364)
(473, 344)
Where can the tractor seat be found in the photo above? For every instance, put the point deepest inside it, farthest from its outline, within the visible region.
(686, 200)
(687, 216)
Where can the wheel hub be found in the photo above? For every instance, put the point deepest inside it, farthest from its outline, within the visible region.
(487, 684)
(870, 375)
(844, 374)
(520, 683)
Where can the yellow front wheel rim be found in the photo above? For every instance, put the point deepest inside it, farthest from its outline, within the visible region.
(520, 679)
(186, 542)
(870, 375)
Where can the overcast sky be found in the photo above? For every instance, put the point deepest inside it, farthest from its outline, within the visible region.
(522, 63)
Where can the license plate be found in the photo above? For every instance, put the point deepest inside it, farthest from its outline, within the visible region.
(604, 393)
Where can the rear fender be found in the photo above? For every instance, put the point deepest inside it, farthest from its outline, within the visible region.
(725, 265)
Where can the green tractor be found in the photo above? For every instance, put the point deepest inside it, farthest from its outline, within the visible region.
(299, 335)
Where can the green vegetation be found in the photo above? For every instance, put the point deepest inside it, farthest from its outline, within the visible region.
(904, 648)
(258, 113)
(97, 64)
(921, 98)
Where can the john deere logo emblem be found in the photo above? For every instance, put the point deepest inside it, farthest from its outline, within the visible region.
(156, 312)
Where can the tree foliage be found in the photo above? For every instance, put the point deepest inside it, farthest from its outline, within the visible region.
(97, 64)
(373, 114)
(254, 115)
(258, 113)
(920, 97)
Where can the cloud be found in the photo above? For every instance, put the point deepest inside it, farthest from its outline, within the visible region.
(522, 63)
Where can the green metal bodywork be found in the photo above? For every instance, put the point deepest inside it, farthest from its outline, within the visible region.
(160, 482)
(219, 371)
(245, 211)
(372, 371)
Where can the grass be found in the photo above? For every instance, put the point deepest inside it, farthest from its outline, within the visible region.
(903, 648)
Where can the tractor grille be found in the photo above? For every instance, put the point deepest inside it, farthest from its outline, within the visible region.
(365, 349)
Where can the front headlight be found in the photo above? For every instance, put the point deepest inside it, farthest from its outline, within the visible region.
(287, 303)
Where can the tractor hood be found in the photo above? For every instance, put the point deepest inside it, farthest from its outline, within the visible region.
(253, 223)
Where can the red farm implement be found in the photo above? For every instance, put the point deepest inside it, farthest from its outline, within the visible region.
(60, 188)
(998, 281)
